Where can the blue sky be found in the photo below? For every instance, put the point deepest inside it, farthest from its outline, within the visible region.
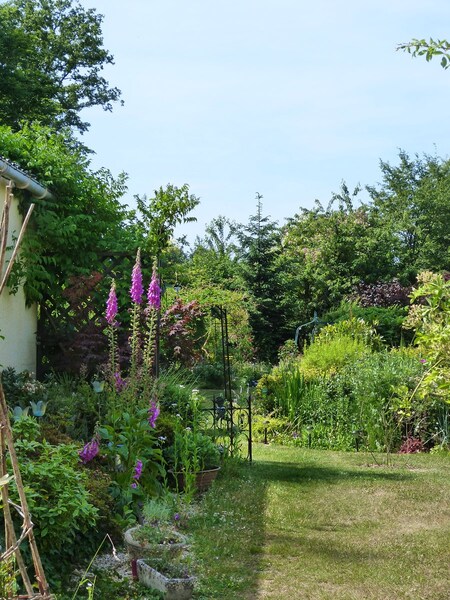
(286, 98)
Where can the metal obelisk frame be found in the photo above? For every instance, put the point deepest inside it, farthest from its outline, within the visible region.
(12, 542)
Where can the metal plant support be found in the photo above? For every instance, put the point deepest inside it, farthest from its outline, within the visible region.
(234, 418)
(315, 322)
(12, 541)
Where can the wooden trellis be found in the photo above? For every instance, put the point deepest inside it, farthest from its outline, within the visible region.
(12, 540)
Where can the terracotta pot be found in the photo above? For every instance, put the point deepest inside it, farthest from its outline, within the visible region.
(203, 479)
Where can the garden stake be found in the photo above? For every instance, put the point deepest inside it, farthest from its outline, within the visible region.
(10, 535)
(16, 249)
(27, 525)
(4, 225)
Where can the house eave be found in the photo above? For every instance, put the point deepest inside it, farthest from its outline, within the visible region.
(22, 181)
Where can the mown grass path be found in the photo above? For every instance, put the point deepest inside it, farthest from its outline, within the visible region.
(318, 525)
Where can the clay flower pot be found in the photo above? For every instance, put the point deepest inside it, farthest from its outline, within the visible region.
(203, 479)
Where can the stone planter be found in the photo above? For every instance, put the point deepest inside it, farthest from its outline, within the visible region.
(172, 589)
(203, 479)
(143, 549)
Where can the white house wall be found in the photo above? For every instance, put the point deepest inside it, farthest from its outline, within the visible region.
(18, 323)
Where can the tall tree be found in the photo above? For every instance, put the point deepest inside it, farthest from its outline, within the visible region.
(214, 258)
(157, 217)
(51, 59)
(259, 248)
(412, 202)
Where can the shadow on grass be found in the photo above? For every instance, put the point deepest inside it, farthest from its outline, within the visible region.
(295, 472)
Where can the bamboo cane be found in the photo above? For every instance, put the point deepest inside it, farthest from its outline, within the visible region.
(5, 225)
(27, 523)
(12, 543)
(16, 248)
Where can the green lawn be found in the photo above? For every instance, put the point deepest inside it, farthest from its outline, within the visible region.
(304, 524)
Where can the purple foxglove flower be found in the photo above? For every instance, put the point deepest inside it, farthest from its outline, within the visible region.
(153, 413)
(111, 305)
(119, 383)
(137, 289)
(154, 292)
(138, 470)
(134, 485)
(89, 451)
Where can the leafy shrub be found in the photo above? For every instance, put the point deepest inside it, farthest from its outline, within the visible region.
(411, 446)
(271, 429)
(391, 293)
(288, 351)
(56, 489)
(386, 320)
(22, 388)
(192, 451)
(380, 386)
(74, 407)
(129, 441)
(326, 359)
(208, 374)
(174, 389)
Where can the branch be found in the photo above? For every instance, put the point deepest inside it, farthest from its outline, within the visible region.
(429, 49)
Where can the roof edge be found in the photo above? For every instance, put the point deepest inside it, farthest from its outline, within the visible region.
(23, 181)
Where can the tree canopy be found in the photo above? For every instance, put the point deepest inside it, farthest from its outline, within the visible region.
(51, 60)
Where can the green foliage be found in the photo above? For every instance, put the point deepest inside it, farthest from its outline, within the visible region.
(271, 429)
(158, 216)
(387, 321)
(21, 389)
(412, 207)
(71, 230)
(429, 49)
(326, 359)
(52, 58)
(209, 375)
(342, 393)
(128, 438)
(379, 386)
(214, 258)
(430, 317)
(8, 578)
(355, 328)
(174, 388)
(56, 490)
(74, 407)
(192, 451)
(259, 248)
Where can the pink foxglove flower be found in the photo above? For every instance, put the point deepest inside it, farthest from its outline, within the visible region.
(154, 292)
(153, 414)
(111, 305)
(137, 288)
